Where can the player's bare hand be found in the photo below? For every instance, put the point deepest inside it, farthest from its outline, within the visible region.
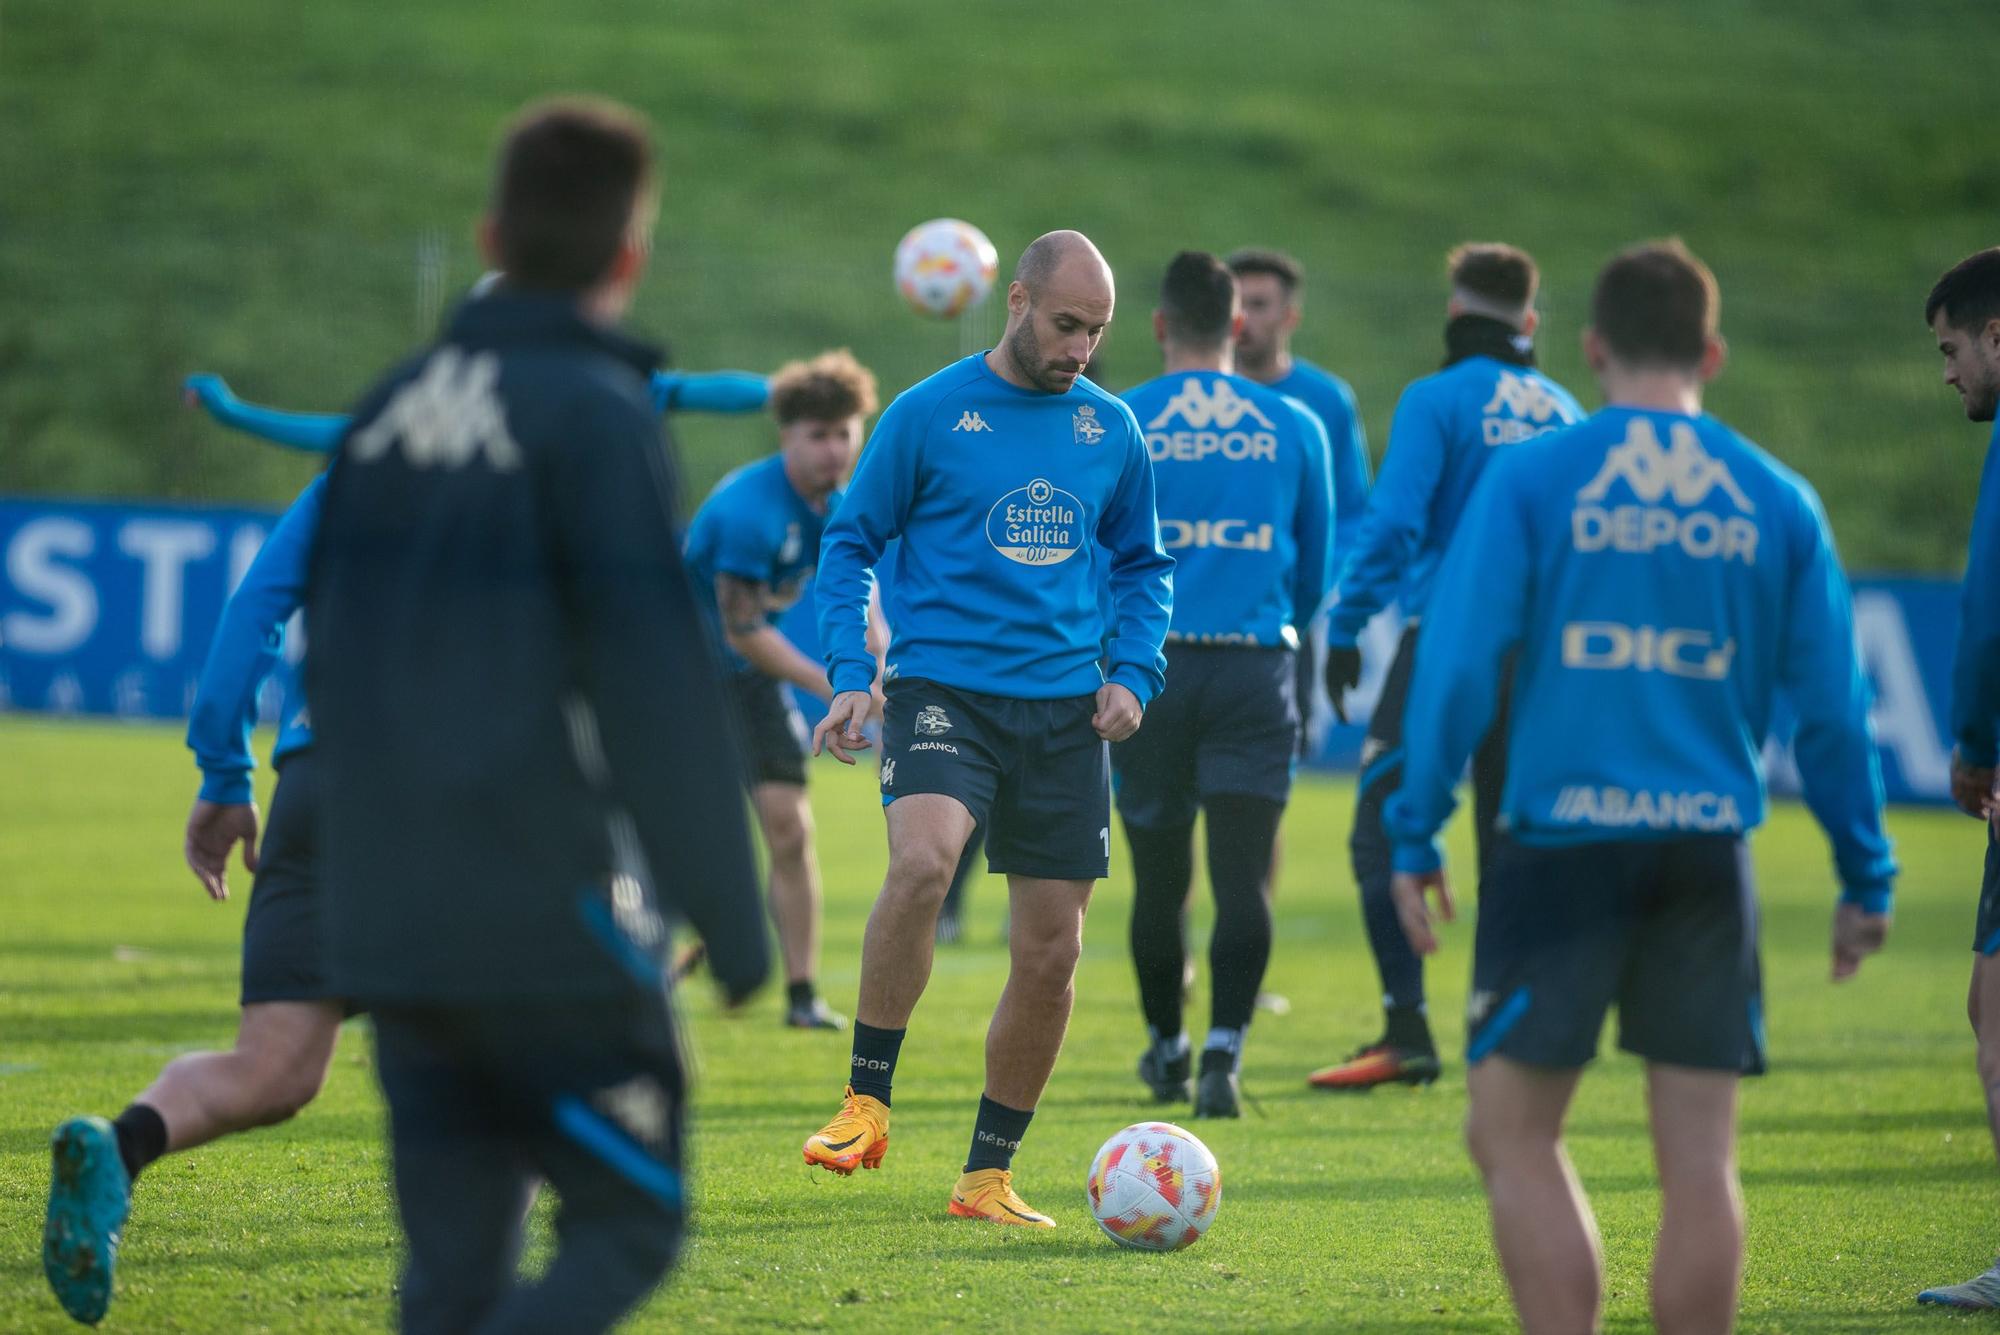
(1118, 712)
(1972, 788)
(841, 730)
(1343, 674)
(1857, 934)
(213, 828)
(1413, 910)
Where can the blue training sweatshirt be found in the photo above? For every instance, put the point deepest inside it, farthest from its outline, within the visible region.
(1663, 579)
(319, 433)
(998, 494)
(1246, 502)
(248, 646)
(1975, 669)
(1446, 428)
(755, 526)
(1331, 399)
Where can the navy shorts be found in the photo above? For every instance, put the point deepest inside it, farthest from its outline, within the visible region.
(1033, 773)
(773, 731)
(1664, 929)
(1986, 931)
(1226, 722)
(283, 946)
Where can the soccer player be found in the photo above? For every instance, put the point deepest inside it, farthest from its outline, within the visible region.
(290, 1014)
(1246, 507)
(1000, 472)
(1448, 428)
(517, 702)
(1964, 313)
(1661, 579)
(751, 549)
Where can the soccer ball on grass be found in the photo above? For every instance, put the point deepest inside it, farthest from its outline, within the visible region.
(1155, 1187)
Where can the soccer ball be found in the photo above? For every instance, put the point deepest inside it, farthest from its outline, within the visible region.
(945, 267)
(1155, 1187)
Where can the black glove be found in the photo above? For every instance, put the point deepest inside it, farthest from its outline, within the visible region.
(1343, 674)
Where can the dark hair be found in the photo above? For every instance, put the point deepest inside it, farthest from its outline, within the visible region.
(1969, 292)
(1198, 298)
(570, 183)
(1252, 259)
(832, 387)
(1502, 274)
(1656, 305)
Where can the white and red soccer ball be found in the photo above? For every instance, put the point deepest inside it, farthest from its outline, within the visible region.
(945, 267)
(1155, 1187)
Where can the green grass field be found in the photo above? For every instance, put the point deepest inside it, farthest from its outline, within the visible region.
(258, 190)
(1865, 1159)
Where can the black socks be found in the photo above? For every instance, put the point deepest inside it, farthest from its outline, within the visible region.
(996, 1135)
(874, 1064)
(800, 995)
(1407, 1027)
(142, 1138)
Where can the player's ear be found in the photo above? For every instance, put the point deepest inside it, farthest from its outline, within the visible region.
(1235, 326)
(1159, 327)
(1714, 352)
(489, 241)
(1531, 320)
(1017, 301)
(1593, 351)
(1990, 337)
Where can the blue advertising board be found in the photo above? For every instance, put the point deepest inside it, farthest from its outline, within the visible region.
(108, 608)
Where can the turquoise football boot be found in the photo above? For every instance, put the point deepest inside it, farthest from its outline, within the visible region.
(89, 1198)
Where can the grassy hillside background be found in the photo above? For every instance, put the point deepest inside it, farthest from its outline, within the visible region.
(260, 190)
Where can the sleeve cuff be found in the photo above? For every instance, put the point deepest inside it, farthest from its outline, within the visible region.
(1416, 856)
(848, 675)
(1874, 898)
(226, 787)
(1142, 684)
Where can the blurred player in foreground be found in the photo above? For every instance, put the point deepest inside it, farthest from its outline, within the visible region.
(1000, 472)
(518, 703)
(1246, 508)
(1449, 427)
(751, 549)
(1664, 579)
(1964, 313)
(290, 1014)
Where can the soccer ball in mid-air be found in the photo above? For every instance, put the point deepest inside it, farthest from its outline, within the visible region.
(945, 267)
(1155, 1187)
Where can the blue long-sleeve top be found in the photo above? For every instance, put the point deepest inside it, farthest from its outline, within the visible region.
(1331, 399)
(1446, 428)
(1246, 501)
(318, 433)
(998, 494)
(1975, 669)
(248, 646)
(1662, 579)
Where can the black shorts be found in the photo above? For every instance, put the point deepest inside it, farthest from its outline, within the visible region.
(1033, 773)
(1227, 721)
(1986, 931)
(774, 733)
(283, 945)
(1665, 929)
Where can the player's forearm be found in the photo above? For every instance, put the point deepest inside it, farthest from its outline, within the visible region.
(314, 432)
(710, 391)
(767, 650)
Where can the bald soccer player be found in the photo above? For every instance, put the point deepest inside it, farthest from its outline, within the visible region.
(998, 473)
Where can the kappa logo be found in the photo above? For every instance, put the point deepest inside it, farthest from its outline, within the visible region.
(932, 721)
(1088, 430)
(445, 418)
(1520, 396)
(1200, 408)
(794, 545)
(888, 774)
(639, 1106)
(971, 421)
(1476, 1007)
(1683, 470)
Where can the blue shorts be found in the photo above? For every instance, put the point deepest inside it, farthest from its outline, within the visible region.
(773, 732)
(1986, 930)
(1664, 929)
(1033, 773)
(1226, 722)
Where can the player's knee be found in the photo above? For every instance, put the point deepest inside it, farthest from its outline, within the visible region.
(922, 871)
(1988, 1048)
(1496, 1142)
(788, 833)
(1046, 959)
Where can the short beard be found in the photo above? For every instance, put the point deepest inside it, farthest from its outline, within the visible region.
(1981, 407)
(1025, 351)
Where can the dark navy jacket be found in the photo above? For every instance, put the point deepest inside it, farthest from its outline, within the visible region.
(509, 669)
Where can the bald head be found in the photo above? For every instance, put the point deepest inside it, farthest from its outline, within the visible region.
(1057, 308)
(1052, 252)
